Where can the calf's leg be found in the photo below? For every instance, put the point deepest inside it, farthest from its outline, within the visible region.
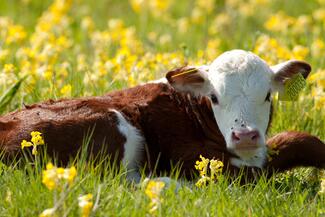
(292, 149)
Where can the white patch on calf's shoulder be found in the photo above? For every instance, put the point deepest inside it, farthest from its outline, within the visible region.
(161, 80)
(133, 147)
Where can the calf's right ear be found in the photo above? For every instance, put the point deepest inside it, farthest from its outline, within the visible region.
(288, 78)
(190, 79)
(287, 70)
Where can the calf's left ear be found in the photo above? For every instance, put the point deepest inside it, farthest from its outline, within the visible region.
(289, 77)
(190, 79)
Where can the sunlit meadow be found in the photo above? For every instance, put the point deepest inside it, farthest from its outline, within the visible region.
(72, 48)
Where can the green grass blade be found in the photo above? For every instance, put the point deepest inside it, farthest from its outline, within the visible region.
(10, 93)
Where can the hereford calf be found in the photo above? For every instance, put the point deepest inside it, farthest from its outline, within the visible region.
(220, 111)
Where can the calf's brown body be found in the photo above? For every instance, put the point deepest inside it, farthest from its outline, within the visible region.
(177, 127)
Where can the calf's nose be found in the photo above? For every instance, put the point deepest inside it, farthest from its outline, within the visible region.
(245, 138)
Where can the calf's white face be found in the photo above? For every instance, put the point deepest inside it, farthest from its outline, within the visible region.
(239, 84)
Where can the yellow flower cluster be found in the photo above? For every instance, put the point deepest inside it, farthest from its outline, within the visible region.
(10, 32)
(42, 55)
(153, 191)
(279, 22)
(202, 166)
(155, 7)
(216, 167)
(86, 204)
(273, 51)
(54, 177)
(36, 140)
(60, 179)
(66, 90)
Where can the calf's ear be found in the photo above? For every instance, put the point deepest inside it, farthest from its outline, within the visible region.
(289, 78)
(190, 79)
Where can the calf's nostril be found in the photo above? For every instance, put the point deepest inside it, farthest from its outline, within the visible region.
(235, 137)
(254, 135)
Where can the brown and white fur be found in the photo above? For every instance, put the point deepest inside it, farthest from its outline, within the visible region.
(220, 111)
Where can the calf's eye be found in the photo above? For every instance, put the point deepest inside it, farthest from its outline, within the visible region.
(268, 97)
(214, 99)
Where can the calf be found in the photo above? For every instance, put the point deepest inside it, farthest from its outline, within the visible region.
(220, 111)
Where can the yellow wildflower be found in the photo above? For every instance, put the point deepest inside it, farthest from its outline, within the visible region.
(320, 103)
(49, 176)
(183, 25)
(197, 15)
(66, 90)
(8, 196)
(271, 49)
(319, 14)
(85, 203)
(9, 68)
(16, 33)
(87, 24)
(212, 49)
(318, 77)
(81, 62)
(202, 166)
(302, 24)
(153, 191)
(165, 39)
(36, 140)
(206, 5)
(159, 6)
(279, 22)
(300, 52)
(67, 174)
(221, 21)
(203, 181)
(137, 5)
(155, 7)
(53, 176)
(71, 174)
(24, 144)
(4, 54)
(48, 213)
(216, 167)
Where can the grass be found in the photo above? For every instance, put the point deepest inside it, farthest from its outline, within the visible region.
(287, 195)
(156, 45)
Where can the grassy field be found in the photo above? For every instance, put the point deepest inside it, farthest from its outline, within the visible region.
(72, 48)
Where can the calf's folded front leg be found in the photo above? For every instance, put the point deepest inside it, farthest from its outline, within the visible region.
(293, 149)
